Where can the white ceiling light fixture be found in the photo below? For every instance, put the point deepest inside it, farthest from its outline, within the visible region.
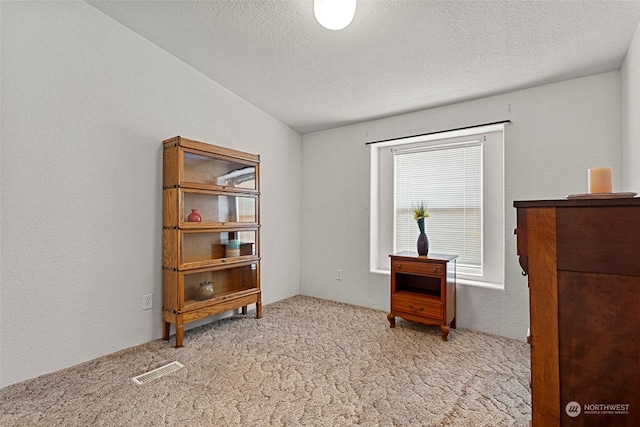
(334, 14)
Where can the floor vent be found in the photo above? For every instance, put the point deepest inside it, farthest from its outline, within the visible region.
(157, 373)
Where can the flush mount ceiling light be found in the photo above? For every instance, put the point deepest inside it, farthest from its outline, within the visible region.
(334, 14)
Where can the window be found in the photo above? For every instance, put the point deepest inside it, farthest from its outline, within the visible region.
(448, 177)
(460, 176)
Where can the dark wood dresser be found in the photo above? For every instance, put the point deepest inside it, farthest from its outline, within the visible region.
(582, 257)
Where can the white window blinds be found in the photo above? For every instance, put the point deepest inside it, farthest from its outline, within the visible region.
(448, 177)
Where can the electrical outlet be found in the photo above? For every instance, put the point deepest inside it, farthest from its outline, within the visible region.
(338, 274)
(147, 301)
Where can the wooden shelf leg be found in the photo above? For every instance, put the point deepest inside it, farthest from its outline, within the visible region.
(392, 320)
(258, 310)
(166, 331)
(453, 323)
(179, 334)
(244, 309)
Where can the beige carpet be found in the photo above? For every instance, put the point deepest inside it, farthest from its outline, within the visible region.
(307, 362)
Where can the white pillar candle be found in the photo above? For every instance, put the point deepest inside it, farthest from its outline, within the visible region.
(600, 180)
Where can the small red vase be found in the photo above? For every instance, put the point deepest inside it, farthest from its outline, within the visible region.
(194, 216)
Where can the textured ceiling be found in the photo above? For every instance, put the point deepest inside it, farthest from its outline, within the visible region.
(396, 56)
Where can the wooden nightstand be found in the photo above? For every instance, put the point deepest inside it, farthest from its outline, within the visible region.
(423, 289)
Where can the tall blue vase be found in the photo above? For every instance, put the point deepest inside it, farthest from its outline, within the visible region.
(423, 244)
(423, 241)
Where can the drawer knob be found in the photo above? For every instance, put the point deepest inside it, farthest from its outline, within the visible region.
(399, 266)
(412, 308)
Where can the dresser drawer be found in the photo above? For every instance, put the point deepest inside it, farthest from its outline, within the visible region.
(418, 307)
(423, 268)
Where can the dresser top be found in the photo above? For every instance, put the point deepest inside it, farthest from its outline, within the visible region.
(628, 201)
(428, 257)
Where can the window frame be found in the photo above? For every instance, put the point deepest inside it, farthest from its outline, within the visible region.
(381, 195)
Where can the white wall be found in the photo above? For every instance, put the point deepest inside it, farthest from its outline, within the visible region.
(85, 106)
(630, 76)
(557, 132)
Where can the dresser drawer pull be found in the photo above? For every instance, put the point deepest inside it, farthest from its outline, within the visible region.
(412, 308)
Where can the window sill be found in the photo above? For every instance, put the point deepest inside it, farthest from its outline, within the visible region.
(479, 284)
(383, 272)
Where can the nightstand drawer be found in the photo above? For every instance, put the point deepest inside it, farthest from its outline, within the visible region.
(423, 268)
(418, 307)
